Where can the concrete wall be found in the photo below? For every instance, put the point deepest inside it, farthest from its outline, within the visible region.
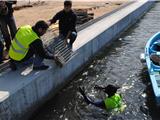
(22, 91)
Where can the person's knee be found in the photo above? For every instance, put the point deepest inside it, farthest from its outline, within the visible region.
(74, 35)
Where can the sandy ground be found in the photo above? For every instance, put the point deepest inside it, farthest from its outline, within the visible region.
(49, 9)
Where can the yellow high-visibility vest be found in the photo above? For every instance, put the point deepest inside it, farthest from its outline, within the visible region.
(113, 102)
(20, 44)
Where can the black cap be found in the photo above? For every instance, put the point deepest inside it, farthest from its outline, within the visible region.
(67, 3)
(111, 89)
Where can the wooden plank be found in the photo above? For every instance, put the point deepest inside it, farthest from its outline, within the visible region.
(83, 15)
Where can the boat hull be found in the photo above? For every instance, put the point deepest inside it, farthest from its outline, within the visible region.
(154, 70)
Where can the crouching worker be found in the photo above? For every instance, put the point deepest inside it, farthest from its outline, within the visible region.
(112, 102)
(27, 47)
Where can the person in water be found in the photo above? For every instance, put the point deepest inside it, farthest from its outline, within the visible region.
(113, 101)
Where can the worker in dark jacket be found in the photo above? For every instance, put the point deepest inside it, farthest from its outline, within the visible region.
(3, 11)
(112, 102)
(7, 20)
(67, 23)
(27, 47)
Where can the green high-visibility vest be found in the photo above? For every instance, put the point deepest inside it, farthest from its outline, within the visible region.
(20, 44)
(113, 102)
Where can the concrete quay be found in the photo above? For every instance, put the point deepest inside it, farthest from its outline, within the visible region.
(23, 91)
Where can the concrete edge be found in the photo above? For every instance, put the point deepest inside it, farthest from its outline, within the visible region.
(81, 27)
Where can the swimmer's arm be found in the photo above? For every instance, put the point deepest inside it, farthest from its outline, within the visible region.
(99, 87)
(100, 104)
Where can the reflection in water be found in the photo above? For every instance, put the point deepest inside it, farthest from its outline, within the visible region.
(118, 64)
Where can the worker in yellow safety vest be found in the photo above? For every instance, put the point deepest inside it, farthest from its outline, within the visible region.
(112, 102)
(27, 47)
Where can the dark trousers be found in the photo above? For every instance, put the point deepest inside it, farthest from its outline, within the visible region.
(72, 38)
(1, 51)
(30, 58)
(5, 23)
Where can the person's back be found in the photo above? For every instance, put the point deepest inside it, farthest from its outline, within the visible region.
(20, 44)
(67, 21)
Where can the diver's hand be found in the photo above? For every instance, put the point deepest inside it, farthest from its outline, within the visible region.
(98, 87)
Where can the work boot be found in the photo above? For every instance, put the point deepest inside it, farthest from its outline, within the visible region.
(13, 65)
(42, 67)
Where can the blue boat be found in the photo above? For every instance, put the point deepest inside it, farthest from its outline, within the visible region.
(153, 69)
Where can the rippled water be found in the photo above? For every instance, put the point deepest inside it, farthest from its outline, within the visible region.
(118, 64)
